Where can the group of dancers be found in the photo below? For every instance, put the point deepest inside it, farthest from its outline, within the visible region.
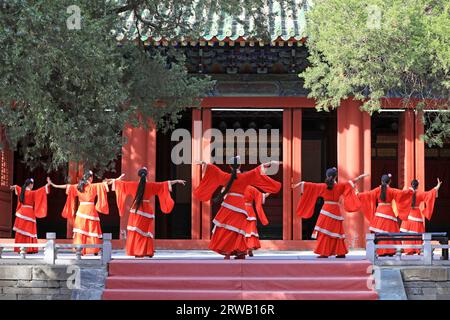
(241, 197)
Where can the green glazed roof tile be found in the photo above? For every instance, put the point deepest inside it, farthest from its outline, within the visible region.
(287, 22)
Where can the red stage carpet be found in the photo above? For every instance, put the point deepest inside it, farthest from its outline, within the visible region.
(238, 280)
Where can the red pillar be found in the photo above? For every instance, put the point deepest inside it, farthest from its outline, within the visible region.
(406, 147)
(287, 174)
(420, 152)
(6, 179)
(206, 156)
(139, 151)
(351, 151)
(196, 173)
(76, 172)
(296, 170)
(367, 182)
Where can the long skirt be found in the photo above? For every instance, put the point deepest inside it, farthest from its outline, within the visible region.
(87, 231)
(413, 226)
(140, 234)
(228, 236)
(25, 228)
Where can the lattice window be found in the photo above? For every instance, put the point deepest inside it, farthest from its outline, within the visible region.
(4, 169)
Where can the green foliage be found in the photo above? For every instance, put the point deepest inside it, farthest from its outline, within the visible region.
(65, 95)
(381, 48)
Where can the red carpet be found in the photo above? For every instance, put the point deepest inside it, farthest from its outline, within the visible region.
(238, 280)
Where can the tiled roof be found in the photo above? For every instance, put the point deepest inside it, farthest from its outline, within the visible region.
(288, 23)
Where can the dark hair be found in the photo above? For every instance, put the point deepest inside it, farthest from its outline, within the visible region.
(24, 187)
(414, 185)
(84, 181)
(141, 188)
(234, 167)
(385, 180)
(331, 176)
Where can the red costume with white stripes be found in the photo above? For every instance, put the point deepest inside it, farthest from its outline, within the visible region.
(253, 195)
(230, 222)
(416, 218)
(34, 206)
(329, 229)
(381, 214)
(141, 223)
(86, 227)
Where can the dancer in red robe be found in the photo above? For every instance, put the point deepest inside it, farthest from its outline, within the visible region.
(86, 227)
(31, 204)
(256, 197)
(377, 207)
(230, 222)
(142, 216)
(329, 229)
(415, 223)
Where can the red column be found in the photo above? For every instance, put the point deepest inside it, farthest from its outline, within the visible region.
(351, 151)
(406, 146)
(367, 136)
(296, 170)
(206, 156)
(140, 150)
(76, 172)
(287, 174)
(420, 152)
(196, 173)
(6, 179)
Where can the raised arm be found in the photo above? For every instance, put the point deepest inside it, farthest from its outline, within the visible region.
(57, 186)
(202, 163)
(362, 176)
(173, 182)
(110, 181)
(439, 182)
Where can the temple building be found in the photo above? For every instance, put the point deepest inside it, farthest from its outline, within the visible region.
(258, 87)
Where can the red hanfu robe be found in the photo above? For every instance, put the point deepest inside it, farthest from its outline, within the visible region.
(141, 223)
(86, 227)
(230, 223)
(415, 223)
(381, 214)
(34, 206)
(251, 194)
(329, 229)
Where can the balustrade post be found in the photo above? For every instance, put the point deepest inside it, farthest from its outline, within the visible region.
(23, 252)
(427, 250)
(370, 247)
(49, 250)
(107, 248)
(78, 252)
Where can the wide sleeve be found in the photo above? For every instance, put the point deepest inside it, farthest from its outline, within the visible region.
(259, 201)
(368, 201)
(403, 202)
(259, 179)
(162, 191)
(307, 203)
(213, 178)
(17, 191)
(429, 197)
(101, 190)
(40, 202)
(69, 208)
(351, 200)
(123, 189)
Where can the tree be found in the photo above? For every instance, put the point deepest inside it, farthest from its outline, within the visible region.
(67, 87)
(382, 48)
